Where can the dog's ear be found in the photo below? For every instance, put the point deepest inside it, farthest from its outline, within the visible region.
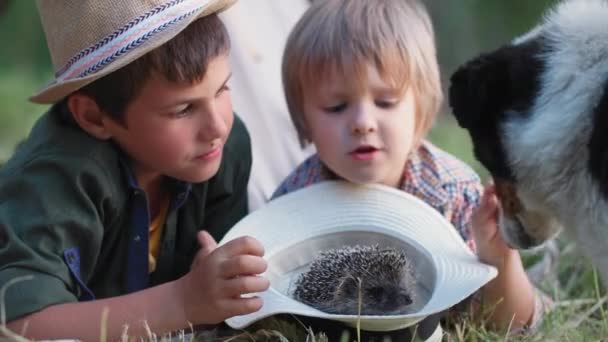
(479, 88)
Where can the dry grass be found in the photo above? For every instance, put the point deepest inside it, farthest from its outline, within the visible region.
(580, 314)
(4, 332)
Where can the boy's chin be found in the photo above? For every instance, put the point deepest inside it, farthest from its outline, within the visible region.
(364, 179)
(198, 176)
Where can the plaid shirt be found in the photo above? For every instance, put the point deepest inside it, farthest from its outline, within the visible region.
(434, 176)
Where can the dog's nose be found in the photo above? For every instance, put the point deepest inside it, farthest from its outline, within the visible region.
(516, 237)
(525, 241)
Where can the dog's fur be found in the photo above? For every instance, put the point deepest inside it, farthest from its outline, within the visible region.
(537, 113)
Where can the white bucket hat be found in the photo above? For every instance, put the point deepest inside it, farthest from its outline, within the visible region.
(89, 39)
(296, 227)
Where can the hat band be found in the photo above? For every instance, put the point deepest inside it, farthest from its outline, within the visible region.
(127, 38)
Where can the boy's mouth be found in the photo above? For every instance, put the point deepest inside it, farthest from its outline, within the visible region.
(364, 152)
(210, 154)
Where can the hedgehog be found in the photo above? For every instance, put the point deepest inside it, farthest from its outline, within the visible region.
(338, 280)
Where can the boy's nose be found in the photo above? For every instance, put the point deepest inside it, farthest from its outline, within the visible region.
(213, 126)
(363, 129)
(363, 123)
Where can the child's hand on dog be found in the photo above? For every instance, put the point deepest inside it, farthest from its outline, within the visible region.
(491, 248)
(211, 291)
(510, 290)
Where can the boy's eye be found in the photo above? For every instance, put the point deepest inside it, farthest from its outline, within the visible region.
(385, 104)
(182, 112)
(335, 109)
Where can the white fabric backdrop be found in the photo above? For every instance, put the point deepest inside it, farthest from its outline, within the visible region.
(258, 30)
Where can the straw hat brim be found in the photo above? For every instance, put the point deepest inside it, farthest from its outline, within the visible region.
(296, 227)
(56, 91)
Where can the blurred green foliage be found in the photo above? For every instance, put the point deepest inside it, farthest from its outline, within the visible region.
(24, 43)
(24, 67)
(464, 28)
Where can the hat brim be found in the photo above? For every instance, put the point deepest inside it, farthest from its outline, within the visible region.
(57, 90)
(296, 226)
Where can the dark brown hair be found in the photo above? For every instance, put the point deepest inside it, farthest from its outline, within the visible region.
(182, 59)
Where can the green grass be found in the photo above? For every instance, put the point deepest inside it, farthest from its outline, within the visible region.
(576, 316)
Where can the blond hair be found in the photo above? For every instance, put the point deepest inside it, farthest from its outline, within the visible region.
(345, 36)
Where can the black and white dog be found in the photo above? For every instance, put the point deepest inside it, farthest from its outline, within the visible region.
(537, 113)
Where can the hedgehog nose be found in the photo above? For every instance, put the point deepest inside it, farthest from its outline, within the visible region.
(405, 298)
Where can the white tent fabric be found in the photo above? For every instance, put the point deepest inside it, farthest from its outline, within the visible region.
(258, 30)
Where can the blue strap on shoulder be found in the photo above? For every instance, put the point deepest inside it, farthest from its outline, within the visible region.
(138, 254)
(72, 259)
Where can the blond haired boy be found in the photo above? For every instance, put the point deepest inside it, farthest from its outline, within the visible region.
(362, 84)
(105, 202)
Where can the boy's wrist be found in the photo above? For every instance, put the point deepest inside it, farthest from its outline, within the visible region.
(165, 309)
(500, 258)
(178, 288)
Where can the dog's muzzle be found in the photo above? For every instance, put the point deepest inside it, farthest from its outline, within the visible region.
(520, 227)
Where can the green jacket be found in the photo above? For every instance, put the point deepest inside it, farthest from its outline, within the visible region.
(72, 216)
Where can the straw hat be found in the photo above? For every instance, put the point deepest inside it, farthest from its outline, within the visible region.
(296, 227)
(88, 39)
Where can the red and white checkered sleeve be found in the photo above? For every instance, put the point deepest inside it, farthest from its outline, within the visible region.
(307, 173)
(465, 197)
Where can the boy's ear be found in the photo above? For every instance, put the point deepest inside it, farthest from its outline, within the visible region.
(479, 88)
(88, 115)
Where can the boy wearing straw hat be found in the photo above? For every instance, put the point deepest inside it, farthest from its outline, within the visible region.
(362, 84)
(104, 204)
